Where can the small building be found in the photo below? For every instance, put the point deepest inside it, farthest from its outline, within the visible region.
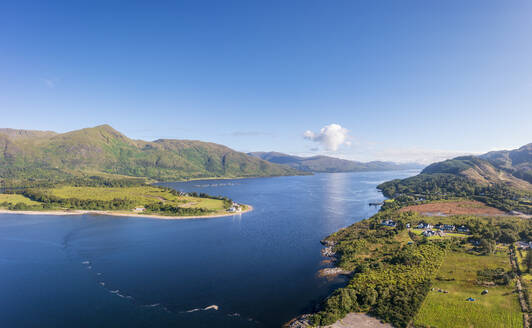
(408, 225)
(423, 225)
(463, 229)
(429, 233)
(139, 209)
(484, 292)
(448, 227)
(235, 208)
(524, 245)
(470, 299)
(388, 223)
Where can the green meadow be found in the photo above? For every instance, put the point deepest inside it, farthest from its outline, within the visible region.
(458, 276)
(140, 195)
(12, 199)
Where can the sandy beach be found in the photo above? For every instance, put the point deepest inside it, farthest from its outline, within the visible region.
(123, 214)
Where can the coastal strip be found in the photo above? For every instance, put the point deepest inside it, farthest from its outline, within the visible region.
(126, 214)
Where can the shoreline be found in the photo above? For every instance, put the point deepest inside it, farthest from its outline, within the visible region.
(123, 214)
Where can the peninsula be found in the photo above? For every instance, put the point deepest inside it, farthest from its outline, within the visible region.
(451, 247)
(131, 201)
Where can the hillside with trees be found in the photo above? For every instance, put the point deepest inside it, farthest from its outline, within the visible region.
(493, 178)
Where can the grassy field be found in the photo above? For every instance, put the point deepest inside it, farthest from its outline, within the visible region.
(454, 207)
(15, 199)
(142, 195)
(499, 308)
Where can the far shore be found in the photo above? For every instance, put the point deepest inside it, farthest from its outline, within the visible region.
(124, 214)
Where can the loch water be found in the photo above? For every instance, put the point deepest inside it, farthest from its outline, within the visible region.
(259, 269)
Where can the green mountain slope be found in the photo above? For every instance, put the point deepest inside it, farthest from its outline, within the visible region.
(330, 164)
(494, 178)
(518, 162)
(32, 156)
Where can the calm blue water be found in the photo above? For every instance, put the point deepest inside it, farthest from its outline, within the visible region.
(259, 267)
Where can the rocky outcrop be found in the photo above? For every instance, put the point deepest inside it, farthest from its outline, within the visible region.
(333, 272)
(299, 322)
(328, 252)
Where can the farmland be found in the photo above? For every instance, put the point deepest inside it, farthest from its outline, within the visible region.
(458, 276)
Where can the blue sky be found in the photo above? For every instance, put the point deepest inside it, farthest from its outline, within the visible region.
(404, 80)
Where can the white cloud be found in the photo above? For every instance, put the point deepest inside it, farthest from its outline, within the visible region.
(331, 136)
(49, 83)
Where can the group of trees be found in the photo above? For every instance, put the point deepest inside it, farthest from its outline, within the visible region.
(392, 291)
(486, 233)
(176, 210)
(24, 178)
(50, 201)
(19, 206)
(497, 276)
(228, 202)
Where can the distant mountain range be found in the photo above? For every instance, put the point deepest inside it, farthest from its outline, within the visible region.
(44, 156)
(331, 164)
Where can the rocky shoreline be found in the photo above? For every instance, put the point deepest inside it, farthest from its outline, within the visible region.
(303, 321)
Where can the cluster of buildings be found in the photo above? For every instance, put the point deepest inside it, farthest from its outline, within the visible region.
(440, 229)
(430, 233)
(235, 208)
(430, 230)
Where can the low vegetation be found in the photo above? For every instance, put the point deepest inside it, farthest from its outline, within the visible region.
(144, 198)
(464, 275)
(403, 277)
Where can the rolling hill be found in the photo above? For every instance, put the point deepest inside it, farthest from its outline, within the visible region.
(42, 157)
(517, 162)
(509, 167)
(500, 178)
(330, 164)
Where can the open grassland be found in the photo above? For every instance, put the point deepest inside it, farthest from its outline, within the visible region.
(458, 276)
(460, 207)
(140, 195)
(13, 199)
